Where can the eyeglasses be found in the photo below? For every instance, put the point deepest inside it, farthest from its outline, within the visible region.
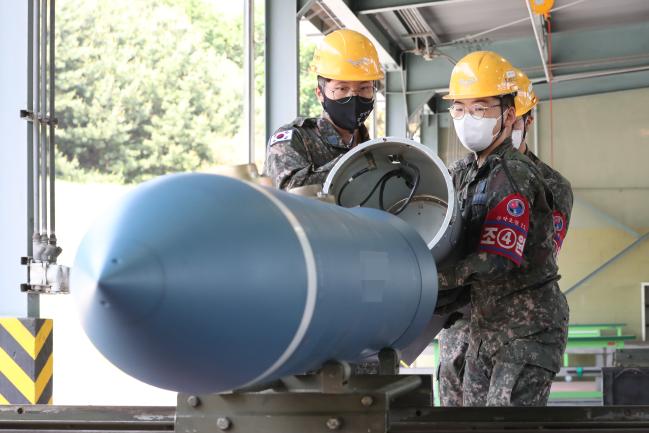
(344, 94)
(477, 111)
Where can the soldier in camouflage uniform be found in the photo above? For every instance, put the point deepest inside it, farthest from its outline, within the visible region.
(454, 341)
(559, 185)
(305, 150)
(519, 317)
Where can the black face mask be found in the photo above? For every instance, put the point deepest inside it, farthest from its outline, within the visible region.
(351, 114)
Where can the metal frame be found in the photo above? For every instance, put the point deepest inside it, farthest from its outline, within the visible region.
(643, 303)
(203, 416)
(86, 419)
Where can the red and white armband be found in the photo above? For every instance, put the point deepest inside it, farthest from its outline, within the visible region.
(505, 228)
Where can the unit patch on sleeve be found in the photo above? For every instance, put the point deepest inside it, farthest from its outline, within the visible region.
(504, 231)
(560, 230)
(281, 136)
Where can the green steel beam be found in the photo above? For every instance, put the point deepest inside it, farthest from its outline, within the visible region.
(597, 51)
(574, 54)
(429, 131)
(592, 86)
(395, 116)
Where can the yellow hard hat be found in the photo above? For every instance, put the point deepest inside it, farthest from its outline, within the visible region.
(481, 74)
(347, 55)
(525, 98)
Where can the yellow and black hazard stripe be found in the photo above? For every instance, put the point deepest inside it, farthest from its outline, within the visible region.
(26, 362)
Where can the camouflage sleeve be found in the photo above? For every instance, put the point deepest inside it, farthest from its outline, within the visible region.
(504, 230)
(563, 201)
(456, 169)
(288, 163)
(564, 198)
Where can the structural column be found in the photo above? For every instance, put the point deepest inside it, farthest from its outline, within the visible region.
(25, 340)
(281, 63)
(429, 131)
(14, 235)
(395, 105)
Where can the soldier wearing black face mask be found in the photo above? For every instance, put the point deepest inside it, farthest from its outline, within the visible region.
(305, 150)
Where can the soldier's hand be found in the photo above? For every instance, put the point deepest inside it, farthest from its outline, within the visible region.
(452, 318)
(453, 300)
(328, 166)
(446, 278)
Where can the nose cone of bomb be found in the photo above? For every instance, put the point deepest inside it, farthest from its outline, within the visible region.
(175, 287)
(125, 279)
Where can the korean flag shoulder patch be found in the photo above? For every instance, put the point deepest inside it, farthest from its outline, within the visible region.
(505, 228)
(281, 136)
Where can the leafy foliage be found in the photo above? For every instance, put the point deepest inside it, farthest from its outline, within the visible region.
(309, 104)
(149, 87)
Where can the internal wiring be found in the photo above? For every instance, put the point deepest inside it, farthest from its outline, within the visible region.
(349, 181)
(413, 189)
(411, 181)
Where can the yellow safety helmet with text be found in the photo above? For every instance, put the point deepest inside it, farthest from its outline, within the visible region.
(525, 98)
(347, 55)
(481, 74)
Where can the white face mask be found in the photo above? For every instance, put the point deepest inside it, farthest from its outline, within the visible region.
(475, 134)
(517, 138)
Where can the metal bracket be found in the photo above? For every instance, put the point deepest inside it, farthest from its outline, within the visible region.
(281, 413)
(30, 116)
(326, 401)
(45, 277)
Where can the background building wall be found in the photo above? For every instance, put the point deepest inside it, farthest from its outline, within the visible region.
(601, 144)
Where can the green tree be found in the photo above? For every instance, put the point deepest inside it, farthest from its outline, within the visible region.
(309, 104)
(139, 90)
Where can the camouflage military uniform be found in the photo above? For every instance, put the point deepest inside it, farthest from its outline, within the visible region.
(454, 342)
(304, 151)
(563, 198)
(519, 317)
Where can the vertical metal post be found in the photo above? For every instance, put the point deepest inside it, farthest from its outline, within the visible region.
(30, 127)
(43, 113)
(281, 63)
(429, 132)
(52, 171)
(249, 71)
(35, 124)
(395, 109)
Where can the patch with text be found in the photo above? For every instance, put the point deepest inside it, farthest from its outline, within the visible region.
(505, 228)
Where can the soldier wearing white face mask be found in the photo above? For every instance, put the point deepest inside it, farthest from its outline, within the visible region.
(454, 341)
(519, 317)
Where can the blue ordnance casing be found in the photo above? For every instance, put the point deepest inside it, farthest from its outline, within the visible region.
(202, 283)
